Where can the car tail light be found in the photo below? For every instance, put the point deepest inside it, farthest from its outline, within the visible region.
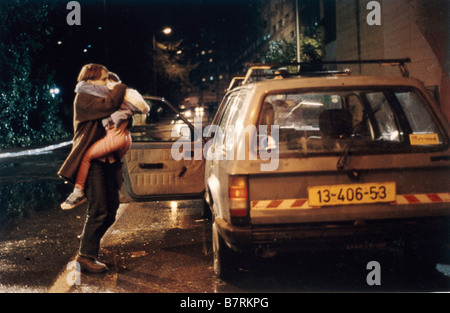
(238, 196)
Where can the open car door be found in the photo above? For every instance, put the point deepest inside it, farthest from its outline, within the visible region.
(150, 171)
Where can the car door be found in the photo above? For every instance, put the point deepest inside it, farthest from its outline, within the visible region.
(162, 162)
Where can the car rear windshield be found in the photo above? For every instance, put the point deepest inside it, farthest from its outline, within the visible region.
(387, 119)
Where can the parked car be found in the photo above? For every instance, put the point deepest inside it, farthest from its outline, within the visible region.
(345, 162)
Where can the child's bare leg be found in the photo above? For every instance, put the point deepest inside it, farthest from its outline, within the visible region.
(126, 146)
(113, 141)
(110, 143)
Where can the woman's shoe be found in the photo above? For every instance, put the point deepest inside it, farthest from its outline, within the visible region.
(91, 265)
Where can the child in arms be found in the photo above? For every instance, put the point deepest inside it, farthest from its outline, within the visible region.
(117, 139)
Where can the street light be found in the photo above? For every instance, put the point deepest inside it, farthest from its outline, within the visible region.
(166, 31)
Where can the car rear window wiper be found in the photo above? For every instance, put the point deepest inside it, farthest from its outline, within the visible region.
(356, 129)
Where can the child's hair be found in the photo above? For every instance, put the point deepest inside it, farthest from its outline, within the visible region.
(91, 72)
(113, 77)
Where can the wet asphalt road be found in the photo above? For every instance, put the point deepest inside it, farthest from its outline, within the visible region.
(165, 247)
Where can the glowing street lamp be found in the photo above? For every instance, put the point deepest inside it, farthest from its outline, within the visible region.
(166, 31)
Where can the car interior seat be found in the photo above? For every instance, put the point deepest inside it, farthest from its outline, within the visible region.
(336, 123)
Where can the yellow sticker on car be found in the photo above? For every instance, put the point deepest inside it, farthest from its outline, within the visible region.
(351, 194)
(423, 139)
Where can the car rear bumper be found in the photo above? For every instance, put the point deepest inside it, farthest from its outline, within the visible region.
(336, 236)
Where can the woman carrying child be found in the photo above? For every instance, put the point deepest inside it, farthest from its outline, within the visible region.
(95, 157)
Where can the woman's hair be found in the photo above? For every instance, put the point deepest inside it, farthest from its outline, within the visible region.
(113, 77)
(91, 72)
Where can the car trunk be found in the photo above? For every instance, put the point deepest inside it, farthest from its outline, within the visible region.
(368, 188)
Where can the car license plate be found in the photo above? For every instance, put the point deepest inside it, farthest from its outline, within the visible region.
(351, 194)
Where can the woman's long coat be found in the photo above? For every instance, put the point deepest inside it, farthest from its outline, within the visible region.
(88, 113)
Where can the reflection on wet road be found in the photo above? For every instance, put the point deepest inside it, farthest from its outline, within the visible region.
(166, 247)
(156, 247)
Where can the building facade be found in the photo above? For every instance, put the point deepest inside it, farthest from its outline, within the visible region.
(415, 29)
(352, 30)
(367, 29)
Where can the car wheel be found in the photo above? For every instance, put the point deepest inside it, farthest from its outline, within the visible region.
(225, 259)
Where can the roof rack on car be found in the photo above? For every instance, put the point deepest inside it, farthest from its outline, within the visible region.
(280, 71)
(284, 74)
(233, 81)
(316, 64)
(392, 62)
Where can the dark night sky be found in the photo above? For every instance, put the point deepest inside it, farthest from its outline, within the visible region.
(124, 41)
